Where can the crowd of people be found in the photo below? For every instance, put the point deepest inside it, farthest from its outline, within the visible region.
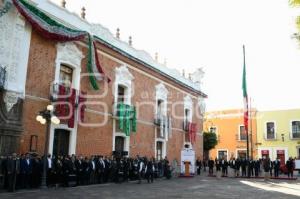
(26, 171)
(241, 167)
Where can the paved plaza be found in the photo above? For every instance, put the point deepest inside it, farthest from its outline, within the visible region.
(198, 187)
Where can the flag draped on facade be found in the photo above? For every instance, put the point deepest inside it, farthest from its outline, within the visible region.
(49, 28)
(245, 95)
(127, 118)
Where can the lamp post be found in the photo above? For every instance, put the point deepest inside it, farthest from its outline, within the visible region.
(47, 117)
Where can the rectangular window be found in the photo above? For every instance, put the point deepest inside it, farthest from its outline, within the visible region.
(121, 94)
(222, 154)
(187, 115)
(65, 75)
(295, 129)
(242, 133)
(270, 130)
(159, 107)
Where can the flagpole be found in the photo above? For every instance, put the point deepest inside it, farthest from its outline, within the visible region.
(246, 129)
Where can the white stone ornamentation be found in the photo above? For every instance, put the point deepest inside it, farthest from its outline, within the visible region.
(14, 49)
(201, 105)
(188, 102)
(161, 92)
(69, 53)
(123, 76)
(11, 98)
(197, 77)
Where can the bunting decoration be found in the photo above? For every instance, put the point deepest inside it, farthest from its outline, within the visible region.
(72, 103)
(82, 99)
(51, 29)
(5, 8)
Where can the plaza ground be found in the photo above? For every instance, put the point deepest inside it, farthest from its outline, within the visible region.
(198, 187)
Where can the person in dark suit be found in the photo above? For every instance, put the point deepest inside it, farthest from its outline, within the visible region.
(126, 167)
(211, 164)
(36, 171)
(238, 166)
(66, 171)
(149, 170)
(256, 168)
(199, 166)
(50, 180)
(101, 169)
(79, 170)
(93, 170)
(251, 167)
(13, 169)
(224, 165)
(107, 168)
(266, 166)
(244, 166)
(276, 164)
(290, 167)
(26, 171)
(271, 168)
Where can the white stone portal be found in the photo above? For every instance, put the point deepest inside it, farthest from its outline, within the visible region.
(14, 52)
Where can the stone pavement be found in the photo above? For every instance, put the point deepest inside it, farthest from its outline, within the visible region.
(198, 187)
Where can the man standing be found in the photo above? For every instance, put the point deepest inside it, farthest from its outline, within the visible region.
(79, 171)
(290, 167)
(26, 171)
(149, 170)
(13, 168)
(141, 167)
(244, 165)
(211, 164)
(199, 166)
(276, 167)
(266, 165)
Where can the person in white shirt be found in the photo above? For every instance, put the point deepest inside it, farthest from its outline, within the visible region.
(141, 167)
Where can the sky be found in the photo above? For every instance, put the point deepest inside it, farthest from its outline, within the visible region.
(210, 34)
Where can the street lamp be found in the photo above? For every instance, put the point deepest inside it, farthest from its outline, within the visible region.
(47, 117)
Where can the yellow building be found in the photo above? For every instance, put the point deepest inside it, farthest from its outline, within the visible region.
(278, 134)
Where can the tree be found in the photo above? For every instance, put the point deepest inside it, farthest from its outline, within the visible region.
(209, 142)
(296, 3)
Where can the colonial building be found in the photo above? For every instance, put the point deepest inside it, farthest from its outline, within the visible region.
(117, 98)
(279, 134)
(228, 125)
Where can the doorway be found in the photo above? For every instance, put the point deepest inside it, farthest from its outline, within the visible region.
(61, 142)
(119, 143)
(281, 156)
(159, 148)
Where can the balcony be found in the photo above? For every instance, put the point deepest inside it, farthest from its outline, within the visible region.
(163, 124)
(2, 77)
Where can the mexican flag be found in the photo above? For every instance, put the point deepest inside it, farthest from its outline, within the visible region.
(245, 95)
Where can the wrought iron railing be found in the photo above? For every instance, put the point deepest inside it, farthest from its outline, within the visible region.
(2, 77)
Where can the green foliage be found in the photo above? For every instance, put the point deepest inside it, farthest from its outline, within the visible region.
(209, 141)
(294, 2)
